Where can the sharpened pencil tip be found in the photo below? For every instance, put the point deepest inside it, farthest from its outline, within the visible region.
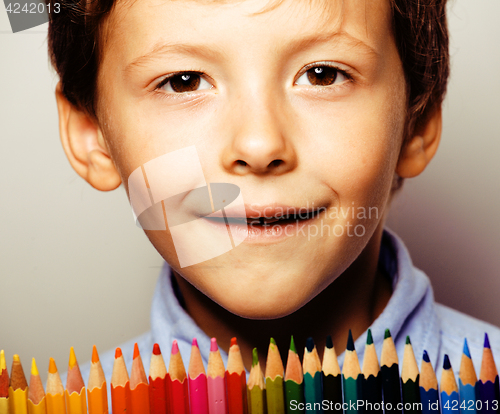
(136, 351)
(447, 363)
(273, 341)
(466, 349)
(72, 358)
(52, 366)
(195, 343)
(255, 357)
(369, 338)
(329, 342)
(387, 334)
(34, 368)
(95, 355)
(310, 344)
(156, 349)
(233, 342)
(486, 341)
(408, 342)
(426, 357)
(16, 358)
(292, 345)
(175, 347)
(3, 363)
(350, 342)
(118, 353)
(213, 345)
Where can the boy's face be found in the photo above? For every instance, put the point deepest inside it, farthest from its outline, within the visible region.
(301, 107)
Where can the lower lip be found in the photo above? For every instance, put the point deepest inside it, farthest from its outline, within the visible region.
(271, 233)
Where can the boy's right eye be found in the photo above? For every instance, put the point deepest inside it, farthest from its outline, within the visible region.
(184, 82)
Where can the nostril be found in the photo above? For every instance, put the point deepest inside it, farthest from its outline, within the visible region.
(275, 163)
(242, 163)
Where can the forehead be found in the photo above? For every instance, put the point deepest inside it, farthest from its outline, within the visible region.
(137, 23)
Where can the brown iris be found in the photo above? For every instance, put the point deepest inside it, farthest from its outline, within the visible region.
(185, 82)
(322, 75)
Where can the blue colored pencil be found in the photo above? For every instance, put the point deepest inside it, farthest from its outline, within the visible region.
(449, 391)
(429, 394)
(487, 386)
(467, 383)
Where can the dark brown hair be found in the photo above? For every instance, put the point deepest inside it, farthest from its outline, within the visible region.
(420, 30)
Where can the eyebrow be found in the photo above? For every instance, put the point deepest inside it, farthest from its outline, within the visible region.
(213, 53)
(161, 49)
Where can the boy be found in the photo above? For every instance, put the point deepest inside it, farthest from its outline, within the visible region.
(316, 111)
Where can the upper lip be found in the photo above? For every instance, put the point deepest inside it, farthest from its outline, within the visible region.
(272, 211)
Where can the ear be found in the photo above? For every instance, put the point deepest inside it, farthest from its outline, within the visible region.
(84, 146)
(420, 149)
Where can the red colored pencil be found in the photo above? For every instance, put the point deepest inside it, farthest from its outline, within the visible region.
(120, 385)
(236, 381)
(179, 401)
(158, 397)
(139, 387)
(216, 386)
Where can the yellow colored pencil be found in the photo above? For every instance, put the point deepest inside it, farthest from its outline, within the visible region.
(4, 385)
(18, 390)
(36, 394)
(76, 400)
(54, 397)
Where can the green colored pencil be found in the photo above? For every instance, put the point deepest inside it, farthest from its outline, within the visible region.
(294, 384)
(410, 381)
(274, 380)
(352, 378)
(313, 388)
(256, 387)
(372, 381)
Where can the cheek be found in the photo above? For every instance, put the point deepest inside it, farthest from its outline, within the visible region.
(354, 147)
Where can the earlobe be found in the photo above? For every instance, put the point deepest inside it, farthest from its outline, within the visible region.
(84, 146)
(420, 149)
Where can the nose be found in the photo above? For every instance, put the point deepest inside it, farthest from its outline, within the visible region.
(260, 143)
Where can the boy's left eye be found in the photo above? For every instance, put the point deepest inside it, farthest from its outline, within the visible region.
(322, 76)
(184, 82)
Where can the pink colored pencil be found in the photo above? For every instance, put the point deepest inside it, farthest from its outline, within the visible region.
(198, 392)
(216, 384)
(178, 384)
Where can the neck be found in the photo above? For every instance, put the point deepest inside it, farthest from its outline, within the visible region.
(353, 301)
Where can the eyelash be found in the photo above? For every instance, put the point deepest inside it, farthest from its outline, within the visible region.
(346, 73)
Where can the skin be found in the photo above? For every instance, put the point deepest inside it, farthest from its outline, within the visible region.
(258, 121)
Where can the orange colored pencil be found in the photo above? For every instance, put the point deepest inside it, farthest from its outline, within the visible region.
(236, 381)
(178, 384)
(18, 390)
(4, 385)
(76, 399)
(97, 392)
(36, 394)
(139, 387)
(55, 391)
(120, 385)
(158, 391)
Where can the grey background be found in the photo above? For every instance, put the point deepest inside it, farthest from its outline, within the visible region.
(75, 271)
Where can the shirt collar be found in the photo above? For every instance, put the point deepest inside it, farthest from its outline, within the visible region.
(410, 310)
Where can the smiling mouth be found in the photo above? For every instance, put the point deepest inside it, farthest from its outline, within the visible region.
(266, 221)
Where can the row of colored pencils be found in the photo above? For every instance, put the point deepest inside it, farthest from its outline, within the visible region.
(313, 386)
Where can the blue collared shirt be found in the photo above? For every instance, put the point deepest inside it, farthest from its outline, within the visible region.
(411, 311)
